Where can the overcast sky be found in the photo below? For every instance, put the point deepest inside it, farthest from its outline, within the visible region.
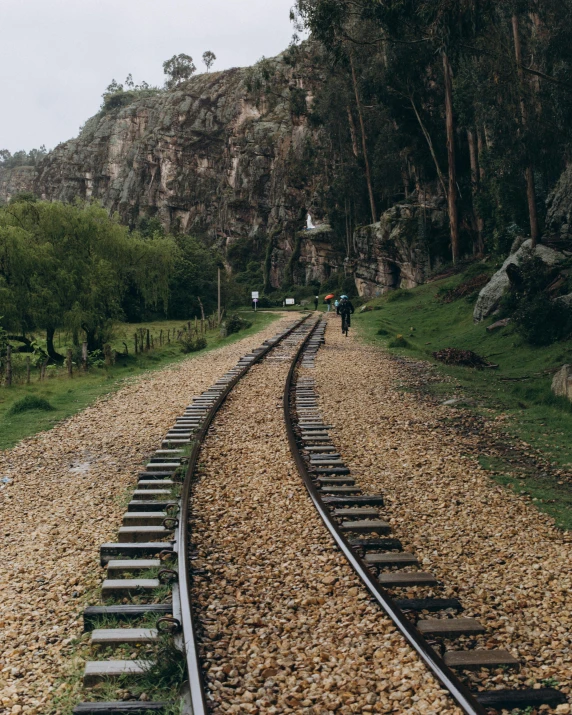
(58, 56)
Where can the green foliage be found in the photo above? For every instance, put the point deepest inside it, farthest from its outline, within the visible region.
(178, 69)
(542, 321)
(192, 343)
(194, 277)
(401, 85)
(235, 324)
(209, 58)
(22, 158)
(298, 105)
(30, 402)
(537, 317)
(119, 95)
(71, 265)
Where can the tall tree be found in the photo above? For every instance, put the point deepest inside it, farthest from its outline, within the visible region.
(209, 58)
(178, 69)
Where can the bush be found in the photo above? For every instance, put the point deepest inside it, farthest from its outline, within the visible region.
(192, 343)
(542, 321)
(30, 402)
(398, 342)
(235, 324)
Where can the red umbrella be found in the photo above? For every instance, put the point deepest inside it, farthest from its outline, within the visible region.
(330, 296)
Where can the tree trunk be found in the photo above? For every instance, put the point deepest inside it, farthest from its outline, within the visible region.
(50, 349)
(430, 144)
(69, 363)
(480, 150)
(475, 189)
(452, 189)
(529, 171)
(353, 132)
(8, 365)
(363, 143)
(84, 355)
(27, 369)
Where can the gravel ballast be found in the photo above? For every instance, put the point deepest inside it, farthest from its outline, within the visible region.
(285, 625)
(506, 562)
(67, 495)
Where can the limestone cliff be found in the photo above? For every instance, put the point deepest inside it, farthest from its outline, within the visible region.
(214, 157)
(228, 156)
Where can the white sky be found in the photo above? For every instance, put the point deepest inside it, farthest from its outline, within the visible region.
(58, 56)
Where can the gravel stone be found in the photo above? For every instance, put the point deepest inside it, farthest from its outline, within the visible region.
(284, 624)
(506, 562)
(66, 497)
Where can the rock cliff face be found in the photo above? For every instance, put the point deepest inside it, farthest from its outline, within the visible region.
(401, 248)
(228, 156)
(213, 157)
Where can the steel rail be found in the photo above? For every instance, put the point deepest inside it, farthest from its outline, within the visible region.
(194, 671)
(458, 691)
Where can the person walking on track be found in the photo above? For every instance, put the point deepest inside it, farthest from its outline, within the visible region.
(345, 309)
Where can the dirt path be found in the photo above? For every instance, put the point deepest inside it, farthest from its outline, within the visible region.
(286, 626)
(66, 498)
(505, 561)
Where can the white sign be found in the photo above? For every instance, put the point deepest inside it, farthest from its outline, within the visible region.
(290, 301)
(255, 295)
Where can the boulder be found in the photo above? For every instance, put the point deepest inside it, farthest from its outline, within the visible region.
(562, 382)
(490, 296)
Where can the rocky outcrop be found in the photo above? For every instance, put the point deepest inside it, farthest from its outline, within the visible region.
(20, 179)
(490, 296)
(213, 157)
(229, 156)
(562, 382)
(400, 249)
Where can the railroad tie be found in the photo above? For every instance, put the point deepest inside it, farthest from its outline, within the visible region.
(116, 566)
(450, 627)
(118, 636)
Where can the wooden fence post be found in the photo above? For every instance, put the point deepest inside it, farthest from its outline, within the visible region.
(69, 363)
(108, 354)
(27, 369)
(43, 370)
(160, 337)
(135, 343)
(84, 356)
(148, 345)
(8, 365)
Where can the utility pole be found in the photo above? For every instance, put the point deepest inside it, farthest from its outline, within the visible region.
(219, 296)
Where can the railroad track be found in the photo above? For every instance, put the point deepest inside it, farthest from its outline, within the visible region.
(152, 553)
(364, 537)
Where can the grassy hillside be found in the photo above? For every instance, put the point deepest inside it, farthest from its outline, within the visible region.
(65, 397)
(517, 394)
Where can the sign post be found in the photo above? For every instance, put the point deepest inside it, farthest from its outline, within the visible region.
(255, 297)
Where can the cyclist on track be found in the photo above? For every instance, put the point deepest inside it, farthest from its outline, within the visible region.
(345, 309)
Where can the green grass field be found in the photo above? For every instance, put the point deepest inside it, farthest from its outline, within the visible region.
(67, 396)
(519, 389)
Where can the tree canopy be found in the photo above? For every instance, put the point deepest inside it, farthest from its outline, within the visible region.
(471, 99)
(65, 265)
(178, 69)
